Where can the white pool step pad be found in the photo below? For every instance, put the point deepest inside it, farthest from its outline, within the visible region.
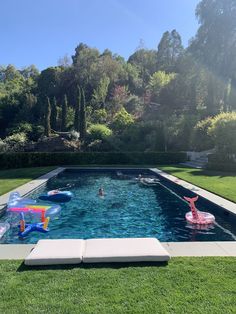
(124, 250)
(75, 251)
(56, 252)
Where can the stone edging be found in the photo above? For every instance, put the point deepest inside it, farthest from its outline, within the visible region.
(217, 200)
(30, 186)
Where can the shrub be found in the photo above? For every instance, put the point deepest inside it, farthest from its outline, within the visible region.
(33, 132)
(16, 138)
(18, 160)
(122, 119)
(23, 127)
(223, 132)
(99, 116)
(37, 132)
(222, 162)
(4, 147)
(144, 136)
(201, 140)
(99, 132)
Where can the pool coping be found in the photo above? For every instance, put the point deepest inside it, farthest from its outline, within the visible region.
(213, 198)
(217, 248)
(175, 249)
(29, 186)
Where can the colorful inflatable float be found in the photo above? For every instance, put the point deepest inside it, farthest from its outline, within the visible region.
(149, 181)
(197, 217)
(25, 229)
(16, 204)
(57, 196)
(4, 227)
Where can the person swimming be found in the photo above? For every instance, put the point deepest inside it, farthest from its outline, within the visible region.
(101, 192)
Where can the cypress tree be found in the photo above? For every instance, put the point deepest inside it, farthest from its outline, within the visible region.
(82, 124)
(47, 130)
(64, 113)
(54, 114)
(77, 111)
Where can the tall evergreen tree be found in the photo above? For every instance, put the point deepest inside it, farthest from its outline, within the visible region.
(214, 46)
(64, 113)
(169, 50)
(54, 114)
(47, 130)
(77, 111)
(83, 123)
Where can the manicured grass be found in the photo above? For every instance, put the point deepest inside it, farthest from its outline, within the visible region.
(186, 285)
(221, 183)
(12, 178)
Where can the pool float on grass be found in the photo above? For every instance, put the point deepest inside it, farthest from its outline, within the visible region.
(57, 196)
(197, 217)
(4, 226)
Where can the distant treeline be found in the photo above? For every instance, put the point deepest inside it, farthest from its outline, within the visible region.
(154, 101)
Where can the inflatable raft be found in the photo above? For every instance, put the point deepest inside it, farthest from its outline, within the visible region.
(16, 204)
(57, 196)
(197, 217)
(4, 226)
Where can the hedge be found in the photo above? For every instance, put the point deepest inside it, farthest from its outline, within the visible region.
(221, 162)
(21, 160)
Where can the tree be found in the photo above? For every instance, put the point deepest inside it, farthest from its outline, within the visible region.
(214, 46)
(169, 51)
(77, 111)
(47, 131)
(54, 114)
(145, 61)
(157, 81)
(64, 114)
(120, 96)
(83, 123)
(100, 93)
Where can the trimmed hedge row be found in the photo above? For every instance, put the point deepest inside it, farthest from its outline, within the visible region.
(21, 160)
(221, 162)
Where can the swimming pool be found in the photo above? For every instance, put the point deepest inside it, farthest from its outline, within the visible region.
(128, 209)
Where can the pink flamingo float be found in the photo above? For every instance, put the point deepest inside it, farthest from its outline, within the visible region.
(197, 217)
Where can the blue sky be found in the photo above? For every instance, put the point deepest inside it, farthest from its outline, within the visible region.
(41, 31)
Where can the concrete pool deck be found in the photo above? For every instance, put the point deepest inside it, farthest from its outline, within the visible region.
(175, 249)
(30, 186)
(224, 248)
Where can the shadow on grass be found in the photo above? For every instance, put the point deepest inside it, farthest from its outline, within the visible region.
(23, 267)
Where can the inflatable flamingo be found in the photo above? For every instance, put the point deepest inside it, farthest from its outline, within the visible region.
(197, 217)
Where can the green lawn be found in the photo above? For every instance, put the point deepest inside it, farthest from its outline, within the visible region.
(12, 178)
(186, 285)
(221, 183)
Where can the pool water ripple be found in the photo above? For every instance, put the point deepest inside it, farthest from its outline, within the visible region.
(128, 209)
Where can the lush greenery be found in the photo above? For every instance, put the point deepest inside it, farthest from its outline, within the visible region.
(17, 160)
(218, 182)
(185, 285)
(157, 100)
(221, 161)
(10, 179)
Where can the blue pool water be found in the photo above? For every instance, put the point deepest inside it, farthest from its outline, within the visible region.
(128, 209)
